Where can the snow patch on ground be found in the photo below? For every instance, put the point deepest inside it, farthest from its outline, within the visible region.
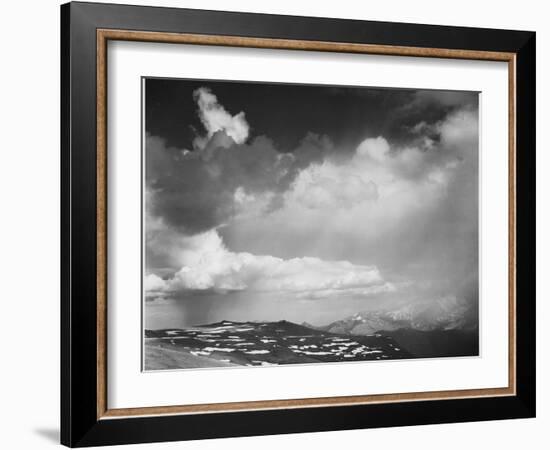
(218, 349)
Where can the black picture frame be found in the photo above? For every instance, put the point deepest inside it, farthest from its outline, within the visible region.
(80, 425)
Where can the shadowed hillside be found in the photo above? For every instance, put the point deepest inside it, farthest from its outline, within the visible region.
(260, 344)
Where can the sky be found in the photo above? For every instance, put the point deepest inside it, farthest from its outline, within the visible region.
(306, 203)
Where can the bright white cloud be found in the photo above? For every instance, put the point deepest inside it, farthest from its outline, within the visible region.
(209, 265)
(403, 207)
(459, 130)
(375, 185)
(215, 118)
(326, 185)
(381, 184)
(153, 282)
(375, 148)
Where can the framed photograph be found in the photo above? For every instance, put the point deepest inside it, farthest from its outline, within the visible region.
(276, 224)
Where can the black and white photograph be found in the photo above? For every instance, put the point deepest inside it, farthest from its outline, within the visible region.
(305, 224)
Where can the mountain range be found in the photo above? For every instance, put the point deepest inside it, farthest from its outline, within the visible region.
(442, 328)
(446, 328)
(447, 313)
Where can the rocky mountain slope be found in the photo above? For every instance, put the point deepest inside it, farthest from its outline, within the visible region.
(261, 344)
(447, 313)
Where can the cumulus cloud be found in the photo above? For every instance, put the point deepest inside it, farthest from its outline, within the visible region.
(376, 149)
(194, 191)
(389, 178)
(215, 118)
(328, 186)
(459, 131)
(410, 211)
(209, 265)
(376, 183)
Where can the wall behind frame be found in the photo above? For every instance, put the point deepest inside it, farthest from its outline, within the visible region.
(29, 191)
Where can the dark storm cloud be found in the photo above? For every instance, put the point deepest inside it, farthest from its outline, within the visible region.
(421, 110)
(194, 191)
(443, 99)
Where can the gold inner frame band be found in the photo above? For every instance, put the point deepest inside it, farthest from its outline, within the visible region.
(104, 35)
